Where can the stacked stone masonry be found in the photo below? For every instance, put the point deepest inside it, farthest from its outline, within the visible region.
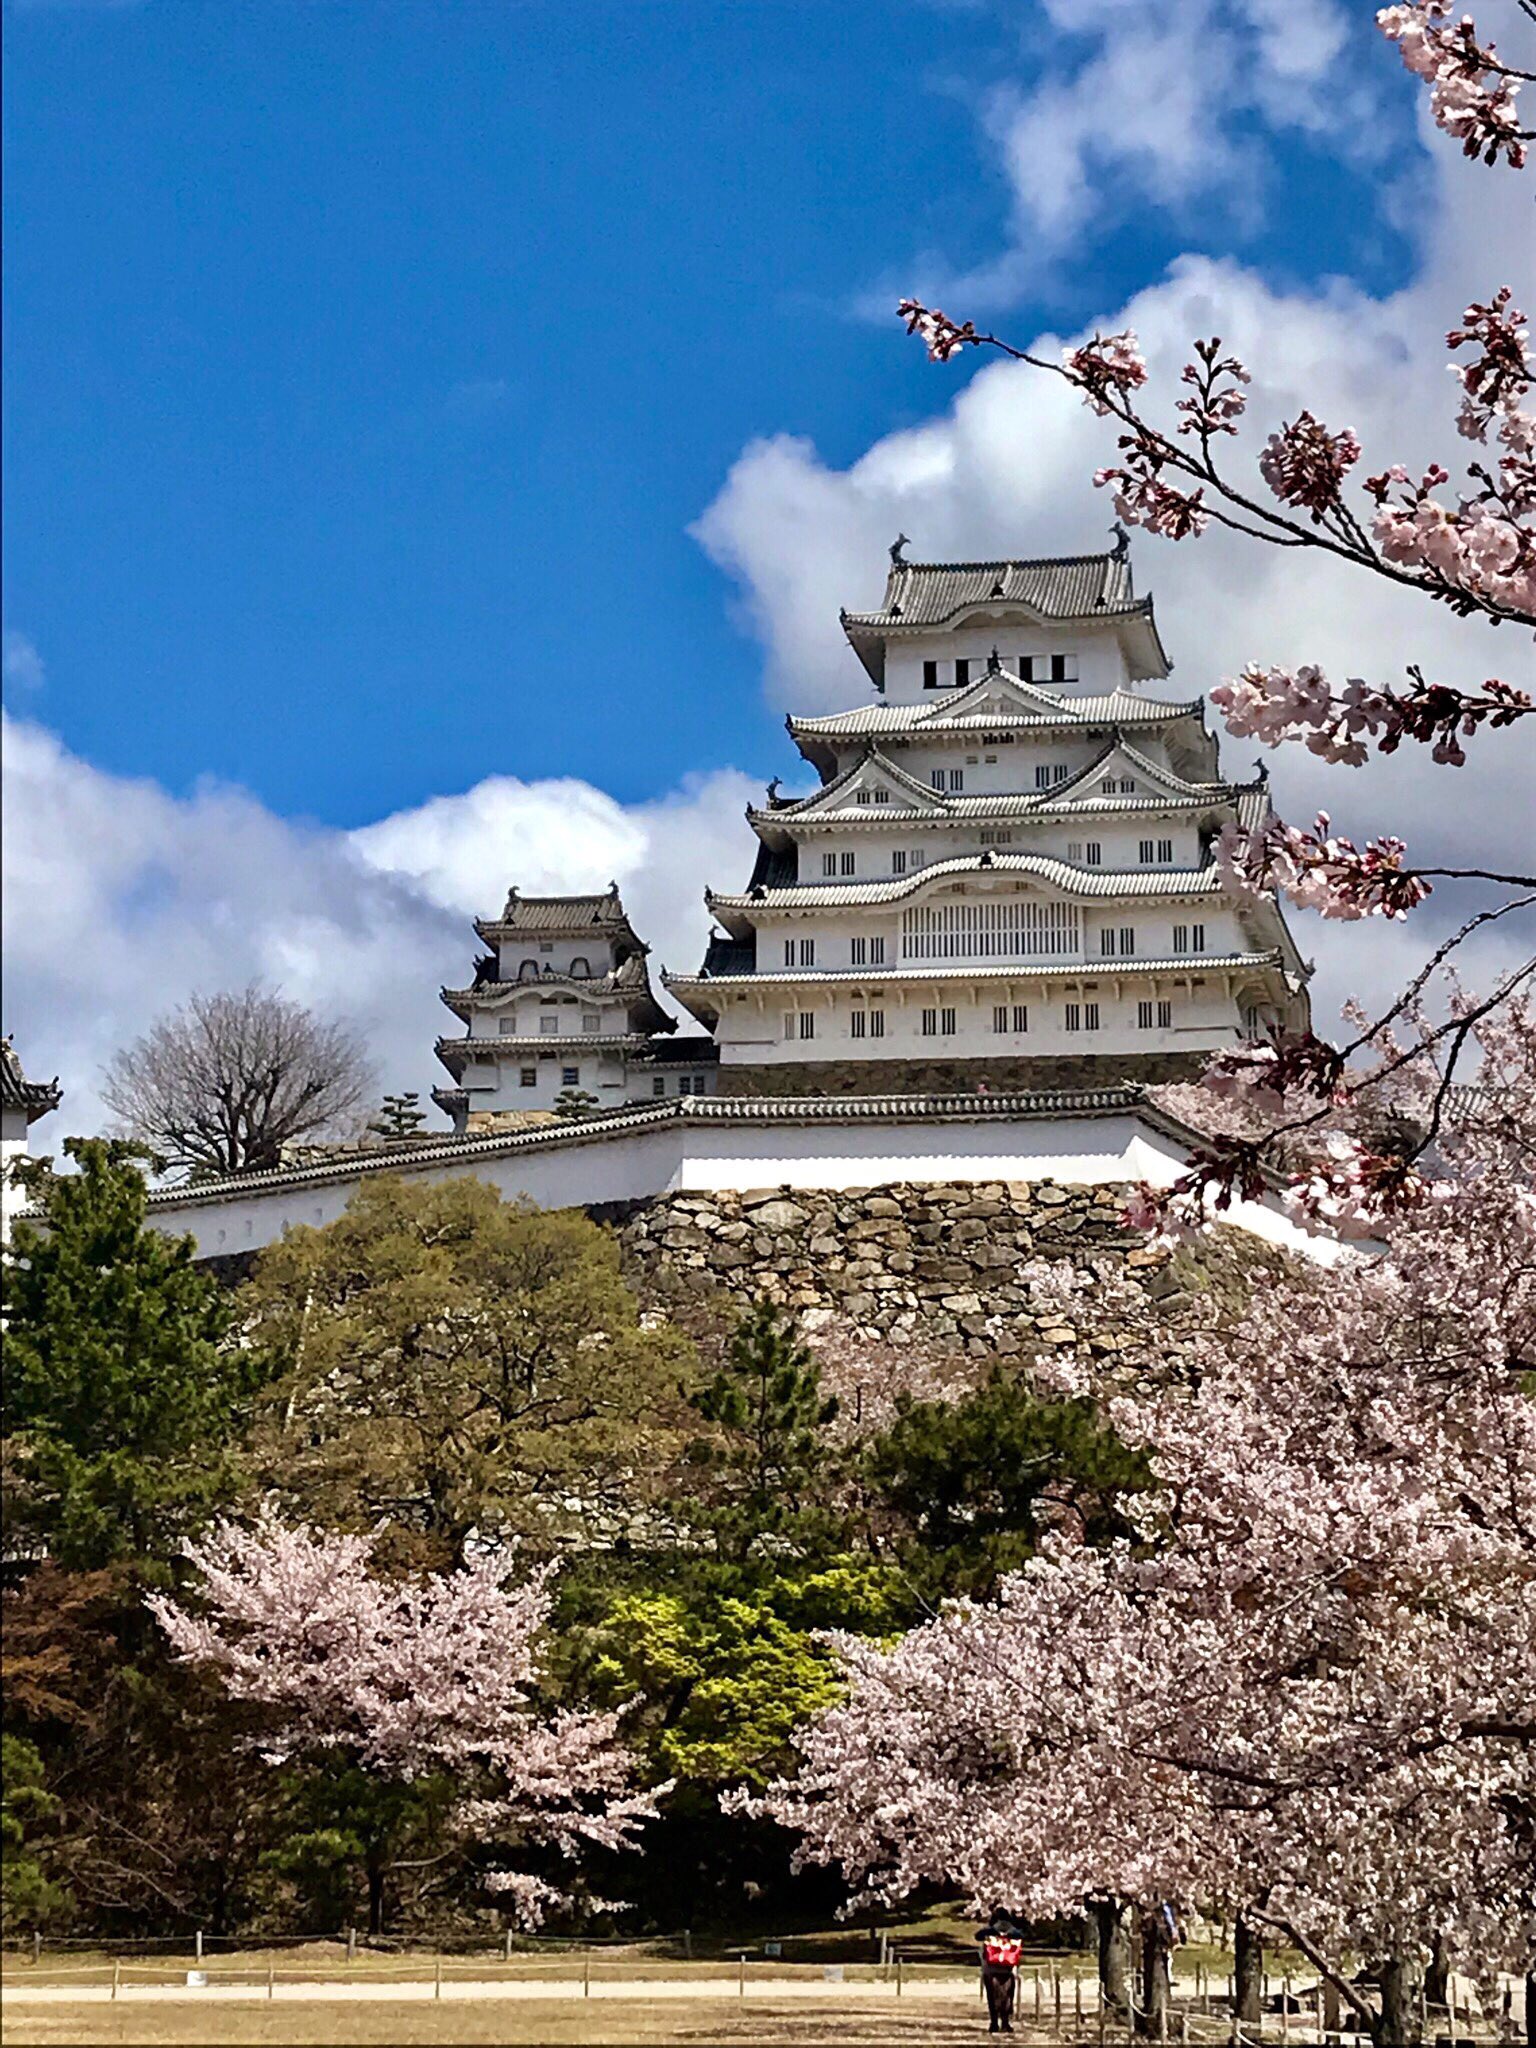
(910, 1264)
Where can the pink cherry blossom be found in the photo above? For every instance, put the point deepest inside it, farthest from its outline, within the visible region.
(408, 1677)
(1304, 464)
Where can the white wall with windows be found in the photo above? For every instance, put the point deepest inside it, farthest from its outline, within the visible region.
(1076, 659)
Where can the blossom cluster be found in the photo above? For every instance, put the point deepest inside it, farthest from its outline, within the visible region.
(1321, 870)
(1275, 704)
(1304, 464)
(1305, 1693)
(1475, 95)
(408, 1677)
(1107, 367)
(941, 336)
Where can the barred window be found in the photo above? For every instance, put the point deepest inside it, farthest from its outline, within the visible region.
(1020, 1018)
(930, 1024)
(807, 1024)
(829, 863)
(1165, 849)
(1093, 854)
(807, 952)
(857, 1023)
(898, 862)
(857, 948)
(877, 1023)
(1000, 1017)
(1197, 938)
(1020, 927)
(946, 1023)
(877, 952)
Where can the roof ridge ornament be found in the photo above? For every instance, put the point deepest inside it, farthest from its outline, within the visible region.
(1122, 546)
(898, 560)
(994, 663)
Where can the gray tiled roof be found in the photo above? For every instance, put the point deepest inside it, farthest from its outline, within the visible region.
(705, 1109)
(1058, 587)
(985, 970)
(632, 979)
(1113, 707)
(552, 916)
(926, 596)
(1073, 880)
(37, 1098)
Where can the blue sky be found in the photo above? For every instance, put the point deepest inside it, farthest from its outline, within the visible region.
(368, 364)
(439, 437)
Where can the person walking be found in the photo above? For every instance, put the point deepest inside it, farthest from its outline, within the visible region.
(1002, 1944)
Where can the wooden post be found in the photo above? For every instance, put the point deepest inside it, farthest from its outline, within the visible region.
(1331, 2015)
(898, 1973)
(1077, 2002)
(741, 1975)
(688, 1944)
(199, 1944)
(506, 1945)
(1056, 1997)
(351, 1944)
(117, 1975)
(37, 1944)
(1285, 2007)
(271, 1978)
(586, 1973)
(1036, 1976)
(437, 1976)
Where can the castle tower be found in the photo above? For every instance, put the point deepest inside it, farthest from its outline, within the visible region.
(562, 1002)
(1007, 877)
(22, 1102)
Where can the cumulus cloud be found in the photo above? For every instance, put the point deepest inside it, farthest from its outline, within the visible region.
(122, 899)
(1006, 468)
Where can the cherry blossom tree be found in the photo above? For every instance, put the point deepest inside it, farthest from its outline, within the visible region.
(1306, 1694)
(407, 1678)
(1471, 548)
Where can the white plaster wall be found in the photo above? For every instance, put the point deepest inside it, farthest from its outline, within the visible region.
(631, 1165)
(553, 956)
(1100, 662)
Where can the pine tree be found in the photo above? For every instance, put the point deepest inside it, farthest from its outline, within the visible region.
(401, 1116)
(121, 1393)
(770, 1451)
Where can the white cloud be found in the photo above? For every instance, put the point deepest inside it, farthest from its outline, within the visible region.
(20, 662)
(1007, 469)
(122, 899)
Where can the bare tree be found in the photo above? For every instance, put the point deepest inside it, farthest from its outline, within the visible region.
(223, 1083)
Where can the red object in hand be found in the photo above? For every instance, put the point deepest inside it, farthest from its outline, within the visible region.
(1002, 1954)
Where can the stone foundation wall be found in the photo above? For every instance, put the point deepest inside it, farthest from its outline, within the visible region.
(958, 1076)
(903, 1262)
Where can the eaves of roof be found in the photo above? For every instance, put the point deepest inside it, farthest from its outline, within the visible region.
(1103, 969)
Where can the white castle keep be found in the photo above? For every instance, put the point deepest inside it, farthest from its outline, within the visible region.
(1006, 880)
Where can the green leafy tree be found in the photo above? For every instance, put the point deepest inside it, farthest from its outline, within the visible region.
(453, 1363)
(576, 1103)
(122, 1393)
(766, 1466)
(962, 1490)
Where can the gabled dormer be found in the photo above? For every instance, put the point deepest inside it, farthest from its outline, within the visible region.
(1122, 773)
(997, 693)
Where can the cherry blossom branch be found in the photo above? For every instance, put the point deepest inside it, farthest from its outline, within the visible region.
(1478, 556)
(1474, 89)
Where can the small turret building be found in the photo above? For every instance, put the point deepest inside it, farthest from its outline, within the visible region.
(561, 1005)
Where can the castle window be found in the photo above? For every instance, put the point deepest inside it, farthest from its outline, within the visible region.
(807, 952)
(1000, 1017)
(1165, 849)
(789, 1023)
(997, 838)
(789, 952)
(863, 796)
(1181, 938)
(1082, 1016)
(1143, 1016)
(962, 674)
(877, 1023)
(957, 778)
(930, 675)
(528, 1077)
(1020, 1018)
(898, 863)
(1093, 854)
(1197, 938)
(546, 945)
(930, 1026)
(659, 1085)
(548, 1026)
(857, 1023)
(1165, 1016)
(937, 778)
(591, 1021)
(528, 970)
(882, 796)
(570, 1077)
(1074, 849)
(829, 864)
(1127, 940)
(807, 1024)
(507, 1026)
(847, 862)
(1107, 939)
(579, 970)
(1144, 851)
(916, 857)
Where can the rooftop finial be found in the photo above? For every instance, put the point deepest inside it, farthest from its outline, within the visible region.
(994, 663)
(1122, 544)
(898, 560)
